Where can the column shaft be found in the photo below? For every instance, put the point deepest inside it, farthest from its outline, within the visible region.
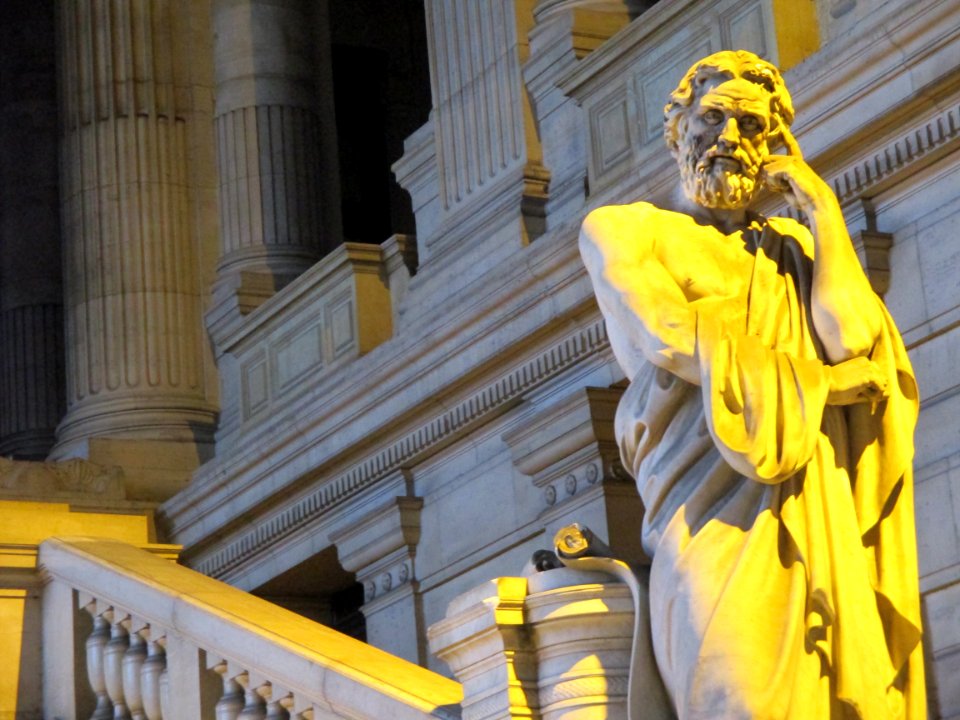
(268, 142)
(135, 362)
(31, 312)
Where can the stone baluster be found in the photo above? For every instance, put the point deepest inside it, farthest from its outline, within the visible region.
(276, 710)
(151, 673)
(279, 702)
(133, 661)
(231, 703)
(254, 707)
(165, 693)
(113, 655)
(96, 644)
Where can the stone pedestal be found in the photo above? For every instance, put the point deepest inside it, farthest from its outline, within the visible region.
(582, 628)
(131, 103)
(486, 643)
(555, 645)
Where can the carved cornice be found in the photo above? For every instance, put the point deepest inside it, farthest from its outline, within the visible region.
(922, 143)
(425, 440)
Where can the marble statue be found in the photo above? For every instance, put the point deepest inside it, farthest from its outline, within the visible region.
(768, 423)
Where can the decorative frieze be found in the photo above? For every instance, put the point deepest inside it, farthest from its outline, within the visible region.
(921, 144)
(76, 480)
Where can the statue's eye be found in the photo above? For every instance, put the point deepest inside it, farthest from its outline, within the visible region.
(713, 117)
(749, 124)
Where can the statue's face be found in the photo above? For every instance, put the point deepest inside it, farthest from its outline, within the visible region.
(724, 143)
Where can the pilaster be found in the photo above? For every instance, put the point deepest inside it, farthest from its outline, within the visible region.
(486, 167)
(565, 32)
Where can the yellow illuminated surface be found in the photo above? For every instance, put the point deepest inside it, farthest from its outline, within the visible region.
(12, 603)
(30, 523)
(23, 526)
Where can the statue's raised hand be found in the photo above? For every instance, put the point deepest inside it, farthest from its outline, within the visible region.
(791, 176)
(856, 380)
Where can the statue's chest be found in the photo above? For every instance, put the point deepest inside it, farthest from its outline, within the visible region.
(706, 264)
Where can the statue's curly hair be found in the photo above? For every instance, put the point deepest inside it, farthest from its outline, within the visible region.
(727, 65)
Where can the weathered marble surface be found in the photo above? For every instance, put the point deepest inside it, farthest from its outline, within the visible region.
(769, 427)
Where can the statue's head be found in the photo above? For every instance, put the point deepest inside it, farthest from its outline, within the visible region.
(723, 120)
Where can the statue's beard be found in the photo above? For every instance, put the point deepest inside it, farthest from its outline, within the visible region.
(717, 183)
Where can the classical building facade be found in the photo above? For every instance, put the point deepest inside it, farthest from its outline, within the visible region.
(359, 395)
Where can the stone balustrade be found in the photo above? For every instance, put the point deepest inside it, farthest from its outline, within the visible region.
(333, 313)
(167, 642)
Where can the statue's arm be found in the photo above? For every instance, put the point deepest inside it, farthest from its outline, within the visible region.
(646, 312)
(847, 325)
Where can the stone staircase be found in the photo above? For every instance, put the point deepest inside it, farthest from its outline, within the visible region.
(128, 634)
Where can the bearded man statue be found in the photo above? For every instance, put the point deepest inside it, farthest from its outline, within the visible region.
(768, 423)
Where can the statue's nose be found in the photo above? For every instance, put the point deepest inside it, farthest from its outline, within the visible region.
(730, 135)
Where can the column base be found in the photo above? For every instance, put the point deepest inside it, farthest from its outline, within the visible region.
(158, 448)
(153, 470)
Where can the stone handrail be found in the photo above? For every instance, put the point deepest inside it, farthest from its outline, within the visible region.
(163, 633)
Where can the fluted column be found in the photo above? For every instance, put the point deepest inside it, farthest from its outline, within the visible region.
(135, 362)
(31, 304)
(268, 148)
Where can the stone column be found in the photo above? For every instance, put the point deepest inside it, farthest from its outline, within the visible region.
(31, 303)
(488, 160)
(268, 148)
(132, 252)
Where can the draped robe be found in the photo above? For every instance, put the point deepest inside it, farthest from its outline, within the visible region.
(784, 575)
